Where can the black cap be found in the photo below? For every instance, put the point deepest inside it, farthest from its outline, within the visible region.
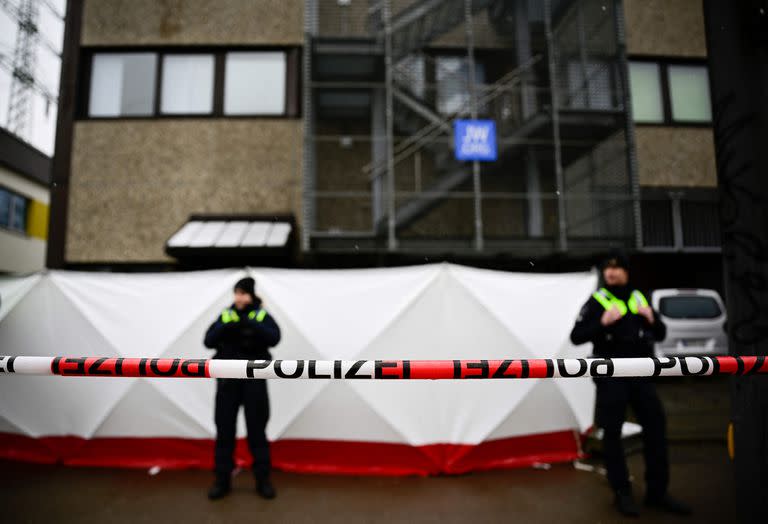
(616, 258)
(247, 285)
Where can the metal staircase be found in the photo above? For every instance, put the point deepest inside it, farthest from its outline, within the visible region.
(421, 22)
(436, 134)
(554, 114)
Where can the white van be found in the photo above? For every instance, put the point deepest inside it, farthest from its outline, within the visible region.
(695, 320)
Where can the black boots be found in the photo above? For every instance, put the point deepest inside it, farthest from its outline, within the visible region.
(265, 489)
(625, 503)
(668, 504)
(221, 488)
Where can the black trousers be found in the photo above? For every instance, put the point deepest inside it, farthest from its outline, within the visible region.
(613, 397)
(230, 395)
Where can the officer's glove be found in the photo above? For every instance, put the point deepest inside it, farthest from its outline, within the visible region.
(231, 320)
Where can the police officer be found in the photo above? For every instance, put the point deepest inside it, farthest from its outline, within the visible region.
(242, 331)
(619, 322)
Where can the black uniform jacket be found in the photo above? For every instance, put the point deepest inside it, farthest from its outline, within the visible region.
(630, 336)
(245, 339)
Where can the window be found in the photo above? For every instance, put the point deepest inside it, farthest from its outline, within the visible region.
(343, 103)
(689, 93)
(187, 85)
(657, 223)
(204, 82)
(701, 223)
(410, 72)
(680, 219)
(13, 211)
(589, 85)
(669, 93)
(452, 77)
(5, 208)
(645, 85)
(689, 307)
(254, 83)
(122, 85)
(18, 219)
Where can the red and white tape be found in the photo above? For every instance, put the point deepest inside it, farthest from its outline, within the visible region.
(383, 369)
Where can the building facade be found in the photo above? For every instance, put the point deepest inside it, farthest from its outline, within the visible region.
(24, 201)
(337, 117)
(673, 125)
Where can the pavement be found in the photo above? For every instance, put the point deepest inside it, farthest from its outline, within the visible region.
(701, 476)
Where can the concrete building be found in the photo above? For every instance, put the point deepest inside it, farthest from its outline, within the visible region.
(24, 177)
(673, 124)
(30, 41)
(321, 132)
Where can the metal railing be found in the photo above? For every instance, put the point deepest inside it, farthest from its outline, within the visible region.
(680, 220)
(443, 125)
(563, 107)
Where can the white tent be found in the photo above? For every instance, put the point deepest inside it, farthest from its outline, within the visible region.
(390, 427)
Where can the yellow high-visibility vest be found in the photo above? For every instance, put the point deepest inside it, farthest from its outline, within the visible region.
(608, 300)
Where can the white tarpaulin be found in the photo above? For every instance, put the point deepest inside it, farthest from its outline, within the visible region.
(424, 312)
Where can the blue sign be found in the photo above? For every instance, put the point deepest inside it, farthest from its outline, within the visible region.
(475, 140)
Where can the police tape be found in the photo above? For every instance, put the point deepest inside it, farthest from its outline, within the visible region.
(383, 369)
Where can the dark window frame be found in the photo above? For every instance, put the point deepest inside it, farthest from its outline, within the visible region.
(217, 58)
(616, 99)
(666, 99)
(291, 110)
(28, 201)
(675, 197)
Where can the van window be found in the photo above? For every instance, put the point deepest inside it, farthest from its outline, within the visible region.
(689, 307)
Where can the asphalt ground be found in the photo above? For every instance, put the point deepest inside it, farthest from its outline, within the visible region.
(701, 476)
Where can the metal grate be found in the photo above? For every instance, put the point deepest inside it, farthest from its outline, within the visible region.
(658, 230)
(380, 156)
(701, 223)
(681, 219)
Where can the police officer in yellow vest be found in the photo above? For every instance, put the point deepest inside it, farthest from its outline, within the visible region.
(242, 331)
(619, 323)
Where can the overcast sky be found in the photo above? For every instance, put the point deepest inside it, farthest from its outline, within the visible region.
(42, 118)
